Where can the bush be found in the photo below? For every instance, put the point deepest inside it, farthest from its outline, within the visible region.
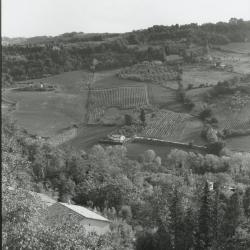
(204, 114)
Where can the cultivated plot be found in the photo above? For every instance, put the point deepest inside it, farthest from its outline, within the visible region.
(170, 126)
(122, 98)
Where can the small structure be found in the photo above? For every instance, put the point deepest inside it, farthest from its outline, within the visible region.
(210, 185)
(211, 135)
(91, 221)
(174, 59)
(117, 138)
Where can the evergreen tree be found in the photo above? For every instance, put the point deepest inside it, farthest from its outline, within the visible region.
(176, 220)
(233, 216)
(143, 116)
(189, 229)
(217, 217)
(246, 202)
(204, 221)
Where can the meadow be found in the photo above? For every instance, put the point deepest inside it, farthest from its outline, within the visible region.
(243, 48)
(46, 113)
(203, 74)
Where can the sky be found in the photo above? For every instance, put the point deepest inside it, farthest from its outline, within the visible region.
(26, 18)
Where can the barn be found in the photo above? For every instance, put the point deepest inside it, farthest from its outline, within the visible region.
(91, 221)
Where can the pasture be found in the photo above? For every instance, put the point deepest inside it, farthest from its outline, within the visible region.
(239, 61)
(68, 82)
(198, 74)
(45, 113)
(243, 48)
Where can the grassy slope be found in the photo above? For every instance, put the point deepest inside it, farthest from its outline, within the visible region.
(197, 75)
(45, 113)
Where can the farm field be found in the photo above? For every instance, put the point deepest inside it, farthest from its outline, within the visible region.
(239, 61)
(173, 126)
(243, 48)
(68, 82)
(232, 112)
(109, 79)
(197, 75)
(122, 98)
(156, 73)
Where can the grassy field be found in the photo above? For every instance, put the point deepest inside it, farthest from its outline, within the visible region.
(239, 61)
(243, 48)
(108, 79)
(198, 74)
(46, 113)
(68, 82)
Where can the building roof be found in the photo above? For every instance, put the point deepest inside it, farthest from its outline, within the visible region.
(173, 57)
(84, 212)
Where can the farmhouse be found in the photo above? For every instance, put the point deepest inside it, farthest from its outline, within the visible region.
(91, 221)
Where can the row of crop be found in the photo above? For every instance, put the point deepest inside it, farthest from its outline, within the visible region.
(236, 124)
(95, 114)
(166, 125)
(120, 97)
(125, 97)
(151, 72)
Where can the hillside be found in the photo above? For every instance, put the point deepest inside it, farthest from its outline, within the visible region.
(39, 56)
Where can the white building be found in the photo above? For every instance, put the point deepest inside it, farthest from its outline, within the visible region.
(91, 221)
(117, 138)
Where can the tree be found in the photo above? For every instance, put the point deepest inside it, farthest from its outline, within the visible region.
(176, 220)
(215, 147)
(204, 221)
(206, 113)
(246, 202)
(233, 216)
(128, 119)
(143, 116)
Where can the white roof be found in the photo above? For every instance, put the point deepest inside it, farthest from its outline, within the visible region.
(84, 212)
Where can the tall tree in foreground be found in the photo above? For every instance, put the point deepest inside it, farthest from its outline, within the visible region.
(143, 117)
(204, 221)
(176, 220)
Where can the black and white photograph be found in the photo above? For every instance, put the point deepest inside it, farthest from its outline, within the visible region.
(125, 124)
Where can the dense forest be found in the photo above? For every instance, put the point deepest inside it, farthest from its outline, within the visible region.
(190, 201)
(42, 56)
